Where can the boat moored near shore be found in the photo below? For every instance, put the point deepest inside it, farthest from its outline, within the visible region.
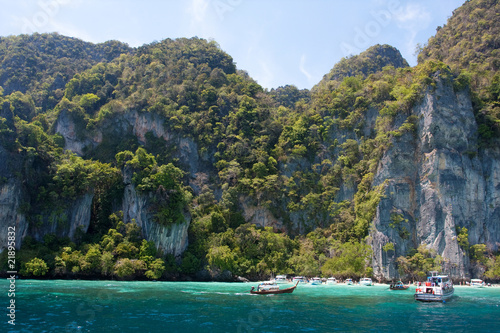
(477, 283)
(366, 282)
(280, 279)
(300, 279)
(331, 280)
(316, 281)
(437, 288)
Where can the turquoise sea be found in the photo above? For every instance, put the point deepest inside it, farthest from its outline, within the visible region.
(112, 306)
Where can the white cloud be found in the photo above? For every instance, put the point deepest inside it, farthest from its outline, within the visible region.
(302, 68)
(413, 15)
(200, 16)
(198, 11)
(414, 18)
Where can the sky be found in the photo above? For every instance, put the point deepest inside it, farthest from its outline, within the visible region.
(278, 42)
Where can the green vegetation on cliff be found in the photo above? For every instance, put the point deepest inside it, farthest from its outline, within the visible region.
(280, 181)
(469, 44)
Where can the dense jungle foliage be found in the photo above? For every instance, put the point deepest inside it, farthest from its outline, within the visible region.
(307, 157)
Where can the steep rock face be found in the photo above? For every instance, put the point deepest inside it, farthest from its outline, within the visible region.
(137, 124)
(66, 126)
(168, 239)
(13, 197)
(10, 200)
(259, 215)
(64, 223)
(491, 168)
(133, 122)
(67, 222)
(137, 207)
(437, 181)
(142, 123)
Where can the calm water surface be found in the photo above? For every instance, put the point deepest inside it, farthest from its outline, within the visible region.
(111, 306)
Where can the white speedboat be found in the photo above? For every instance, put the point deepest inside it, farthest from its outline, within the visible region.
(331, 280)
(316, 281)
(268, 285)
(477, 283)
(349, 282)
(437, 288)
(366, 282)
(300, 279)
(280, 279)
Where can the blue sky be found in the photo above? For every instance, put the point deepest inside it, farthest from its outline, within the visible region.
(277, 42)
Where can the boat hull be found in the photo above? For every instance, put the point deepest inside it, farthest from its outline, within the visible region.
(273, 291)
(430, 297)
(399, 288)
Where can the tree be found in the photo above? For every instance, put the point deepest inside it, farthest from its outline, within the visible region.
(463, 238)
(126, 268)
(190, 263)
(93, 257)
(222, 258)
(107, 263)
(155, 269)
(89, 102)
(350, 260)
(147, 249)
(493, 271)
(35, 267)
(477, 254)
(417, 266)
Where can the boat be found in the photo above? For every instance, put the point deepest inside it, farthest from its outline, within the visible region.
(437, 288)
(271, 288)
(398, 286)
(331, 280)
(349, 282)
(316, 281)
(300, 279)
(280, 279)
(477, 283)
(366, 282)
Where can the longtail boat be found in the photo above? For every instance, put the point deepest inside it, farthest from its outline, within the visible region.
(399, 286)
(271, 289)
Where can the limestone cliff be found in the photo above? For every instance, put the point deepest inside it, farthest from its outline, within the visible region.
(438, 180)
(137, 124)
(15, 199)
(66, 222)
(171, 239)
(137, 207)
(10, 216)
(73, 139)
(62, 223)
